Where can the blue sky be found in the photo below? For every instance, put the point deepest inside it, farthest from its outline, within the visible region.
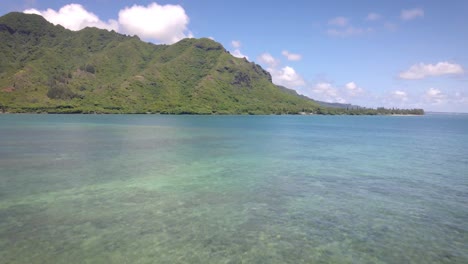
(407, 54)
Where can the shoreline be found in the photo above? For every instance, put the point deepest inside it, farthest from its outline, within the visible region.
(188, 114)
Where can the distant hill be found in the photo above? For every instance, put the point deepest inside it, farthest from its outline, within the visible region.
(327, 108)
(47, 68)
(321, 103)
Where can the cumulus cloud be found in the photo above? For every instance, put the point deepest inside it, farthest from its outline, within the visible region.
(238, 54)
(435, 96)
(353, 89)
(410, 14)
(323, 90)
(74, 17)
(445, 100)
(287, 77)
(338, 21)
(164, 23)
(432, 92)
(269, 60)
(461, 98)
(421, 70)
(351, 86)
(158, 23)
(236, 44)
(399, 95)
(373, 17)
(291, 56)
(326, 92)
(431, 99)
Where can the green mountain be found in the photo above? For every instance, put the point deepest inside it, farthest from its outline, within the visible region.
(47, 68)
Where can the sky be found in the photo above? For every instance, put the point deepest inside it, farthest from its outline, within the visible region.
(394, 53)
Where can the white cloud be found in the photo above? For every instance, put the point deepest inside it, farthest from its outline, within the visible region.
(351, 86)
(287, 77)
(269, 60)
(238, 54)
(461, 98)
(339, 21)
(421, 70)
(326, 92)
(291, 56)
(159, 23)
(74, 17)
(432, 99)
(399, 95)
(373, 17)
(433, 92)
(236, 44)
(435, 96)
(353, 89)
(162, 23)
(410, 14)
(348, 31)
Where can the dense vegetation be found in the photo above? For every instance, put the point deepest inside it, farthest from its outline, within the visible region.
(49, 69)
(368, 111)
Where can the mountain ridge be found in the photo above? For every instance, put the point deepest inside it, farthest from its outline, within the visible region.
(46, 68)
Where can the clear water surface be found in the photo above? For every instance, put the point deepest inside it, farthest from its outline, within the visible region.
(233, 189)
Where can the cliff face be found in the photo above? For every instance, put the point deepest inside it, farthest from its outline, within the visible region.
(46, 68)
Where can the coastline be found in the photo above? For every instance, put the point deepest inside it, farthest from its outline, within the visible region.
(212, 114)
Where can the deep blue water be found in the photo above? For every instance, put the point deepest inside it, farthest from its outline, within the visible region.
(233, 189)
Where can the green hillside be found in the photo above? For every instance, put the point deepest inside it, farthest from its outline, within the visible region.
(47, 68)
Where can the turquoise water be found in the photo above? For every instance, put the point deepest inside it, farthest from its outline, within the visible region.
(233, 189)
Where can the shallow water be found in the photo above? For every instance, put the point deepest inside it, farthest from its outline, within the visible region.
(233, 189)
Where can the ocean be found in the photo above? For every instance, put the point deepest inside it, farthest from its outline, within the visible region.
(233, 189)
